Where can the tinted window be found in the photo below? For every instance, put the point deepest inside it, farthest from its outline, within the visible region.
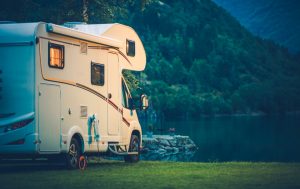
(130, 48)
(97, 74)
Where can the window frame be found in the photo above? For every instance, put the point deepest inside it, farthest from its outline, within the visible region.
(128, 52)
(56, 46)
(127, 97)
(99, 65)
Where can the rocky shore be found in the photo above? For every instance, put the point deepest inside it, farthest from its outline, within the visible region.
(168, 148)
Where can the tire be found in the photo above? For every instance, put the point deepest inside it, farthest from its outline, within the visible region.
(134, 147)
(73, 154)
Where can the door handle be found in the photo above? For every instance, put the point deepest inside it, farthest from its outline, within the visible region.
(109, 95)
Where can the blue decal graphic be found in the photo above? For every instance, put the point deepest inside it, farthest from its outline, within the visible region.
(93, 122)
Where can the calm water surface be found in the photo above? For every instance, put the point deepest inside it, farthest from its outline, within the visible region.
(258, 138)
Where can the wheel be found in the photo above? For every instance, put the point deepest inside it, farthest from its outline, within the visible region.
(73, 154)
(134, 147)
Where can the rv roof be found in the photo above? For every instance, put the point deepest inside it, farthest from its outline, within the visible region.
(113, 35)
(123, 33)
(89, 36)
(94, 29)
(20, 32)
(13, 32)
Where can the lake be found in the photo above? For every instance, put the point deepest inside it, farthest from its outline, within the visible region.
(240, 138)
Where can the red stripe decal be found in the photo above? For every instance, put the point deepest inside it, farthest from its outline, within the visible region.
(91, 90)
(126, 122)
(113, 104)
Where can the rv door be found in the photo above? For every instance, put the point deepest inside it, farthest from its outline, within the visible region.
(113, 88)
(49, 117)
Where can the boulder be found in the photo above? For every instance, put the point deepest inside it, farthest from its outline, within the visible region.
(166, 147)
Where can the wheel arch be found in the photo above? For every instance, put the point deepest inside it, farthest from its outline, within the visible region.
(77, 133)
(138, 134)
(79, 139)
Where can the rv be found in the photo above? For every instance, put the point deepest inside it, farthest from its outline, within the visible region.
(62, 91)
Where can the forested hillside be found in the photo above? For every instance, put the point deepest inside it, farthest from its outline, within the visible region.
(200, 60)
(271, 19)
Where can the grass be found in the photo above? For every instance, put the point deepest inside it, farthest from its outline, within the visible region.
(115, 174)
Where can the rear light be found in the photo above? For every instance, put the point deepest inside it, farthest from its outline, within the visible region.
(17, 142)
(17, 125)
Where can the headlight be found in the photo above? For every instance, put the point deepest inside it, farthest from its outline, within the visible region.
(17, 125)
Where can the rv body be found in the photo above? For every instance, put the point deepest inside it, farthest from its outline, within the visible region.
(59, 84)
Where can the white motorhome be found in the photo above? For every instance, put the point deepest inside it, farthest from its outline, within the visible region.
(62, 90)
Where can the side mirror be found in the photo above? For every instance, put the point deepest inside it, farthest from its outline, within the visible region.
(144, 102)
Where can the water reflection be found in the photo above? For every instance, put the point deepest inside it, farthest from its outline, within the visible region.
(265, 138)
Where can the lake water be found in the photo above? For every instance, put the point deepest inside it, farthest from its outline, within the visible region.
(244, 138)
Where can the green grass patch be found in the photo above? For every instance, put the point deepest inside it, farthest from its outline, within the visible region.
(115, 174)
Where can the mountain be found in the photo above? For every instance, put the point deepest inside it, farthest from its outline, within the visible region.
(271, 19)
(200, 59)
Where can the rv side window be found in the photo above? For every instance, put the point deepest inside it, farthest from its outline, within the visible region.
(97, 74)
(130, 47)
(56, 54)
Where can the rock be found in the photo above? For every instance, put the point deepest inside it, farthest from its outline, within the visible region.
(164, 142)
(190, 147)
(161, 151)
(175, 150)
(169, 149)
(173, 142)
(166, 147)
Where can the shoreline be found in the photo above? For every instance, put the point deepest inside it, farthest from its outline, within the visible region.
(252, 114)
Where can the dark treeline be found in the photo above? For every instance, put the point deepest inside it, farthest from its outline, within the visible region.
(200, 60)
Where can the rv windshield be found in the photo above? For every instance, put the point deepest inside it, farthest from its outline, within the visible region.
(126, 97)
(16, 79)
